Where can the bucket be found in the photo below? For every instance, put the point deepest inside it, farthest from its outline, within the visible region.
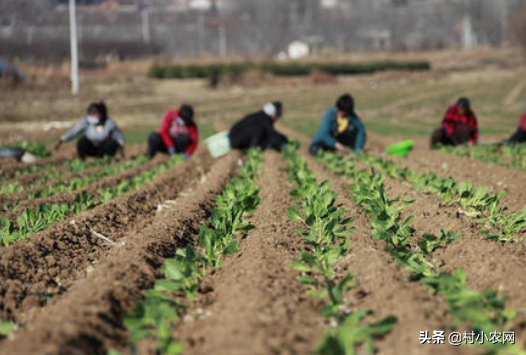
(218, 145)
(401, 149)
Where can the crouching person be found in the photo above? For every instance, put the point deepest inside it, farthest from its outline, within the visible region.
(257, 130)
(100, 135)
(341, 129)
(520, 135)
(178, 134)
(459, 126)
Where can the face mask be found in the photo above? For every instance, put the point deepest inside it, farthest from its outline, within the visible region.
(93, 120)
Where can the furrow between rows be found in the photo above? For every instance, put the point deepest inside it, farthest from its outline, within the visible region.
(45, 265)
(88, 318)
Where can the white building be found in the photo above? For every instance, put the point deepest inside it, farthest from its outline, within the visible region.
(298, 50)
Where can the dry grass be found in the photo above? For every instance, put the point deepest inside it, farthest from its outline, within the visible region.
(392, 103)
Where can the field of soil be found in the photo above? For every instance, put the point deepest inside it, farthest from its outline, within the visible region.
(71, 281)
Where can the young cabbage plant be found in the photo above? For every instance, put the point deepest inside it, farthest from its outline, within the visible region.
(326, 231)
(483, 311)
(349, 337)
(156, 316)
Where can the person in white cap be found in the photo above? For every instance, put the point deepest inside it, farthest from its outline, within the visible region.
(257, 130)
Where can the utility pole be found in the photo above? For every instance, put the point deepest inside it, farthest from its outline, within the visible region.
(222, 40)
(145, 16)
(201, 34)
(468, 37)
(504, 22)
(30, 34)
(74, 48)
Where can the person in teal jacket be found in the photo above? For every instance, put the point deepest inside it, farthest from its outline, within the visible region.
(341, 129)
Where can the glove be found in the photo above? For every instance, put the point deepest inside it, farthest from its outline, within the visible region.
(171, 150)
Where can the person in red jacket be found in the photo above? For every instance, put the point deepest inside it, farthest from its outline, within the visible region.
(178, 134)
(520, 135)
(459, 126)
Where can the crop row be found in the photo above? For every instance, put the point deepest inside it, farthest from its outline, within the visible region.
(154, 317)
(326, 231)
(483, 312)
(481, 206)
(37, 149)
(184, 71)
(513, 156)
(33, 220)
(81, 181)
(52, 172)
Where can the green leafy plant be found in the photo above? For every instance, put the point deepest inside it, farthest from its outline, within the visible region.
(152, 318)
(34, 148)
(351, 334)
(37, 219)
(81, 181)
(513, 156)
(155, 316)
(6, 328)
(479, 204)
(483, 311)
(325, 231)
(10, 188)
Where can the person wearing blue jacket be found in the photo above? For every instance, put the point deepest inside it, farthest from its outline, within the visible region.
(341, 129)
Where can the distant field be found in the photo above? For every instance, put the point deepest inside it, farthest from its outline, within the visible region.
(394, 104)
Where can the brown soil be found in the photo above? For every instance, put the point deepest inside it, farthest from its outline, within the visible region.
(488, 265)
(257, 305)
(69, 197)
(88, 318)
(384, 287)
(66, 174)
(58, 163)
(480, 174)
(9, 167)
(49, 262)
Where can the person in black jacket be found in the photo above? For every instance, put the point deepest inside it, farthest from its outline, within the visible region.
(257, 130)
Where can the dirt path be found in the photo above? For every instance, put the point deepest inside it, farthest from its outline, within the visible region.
(48, 263)
(257, 305)
(88, 318)
(385, 288)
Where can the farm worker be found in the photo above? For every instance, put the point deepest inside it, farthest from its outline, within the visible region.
(458, 127)
(100, 135)
(341, 129)
(257, 129)
(520, 135)
(178, 134)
